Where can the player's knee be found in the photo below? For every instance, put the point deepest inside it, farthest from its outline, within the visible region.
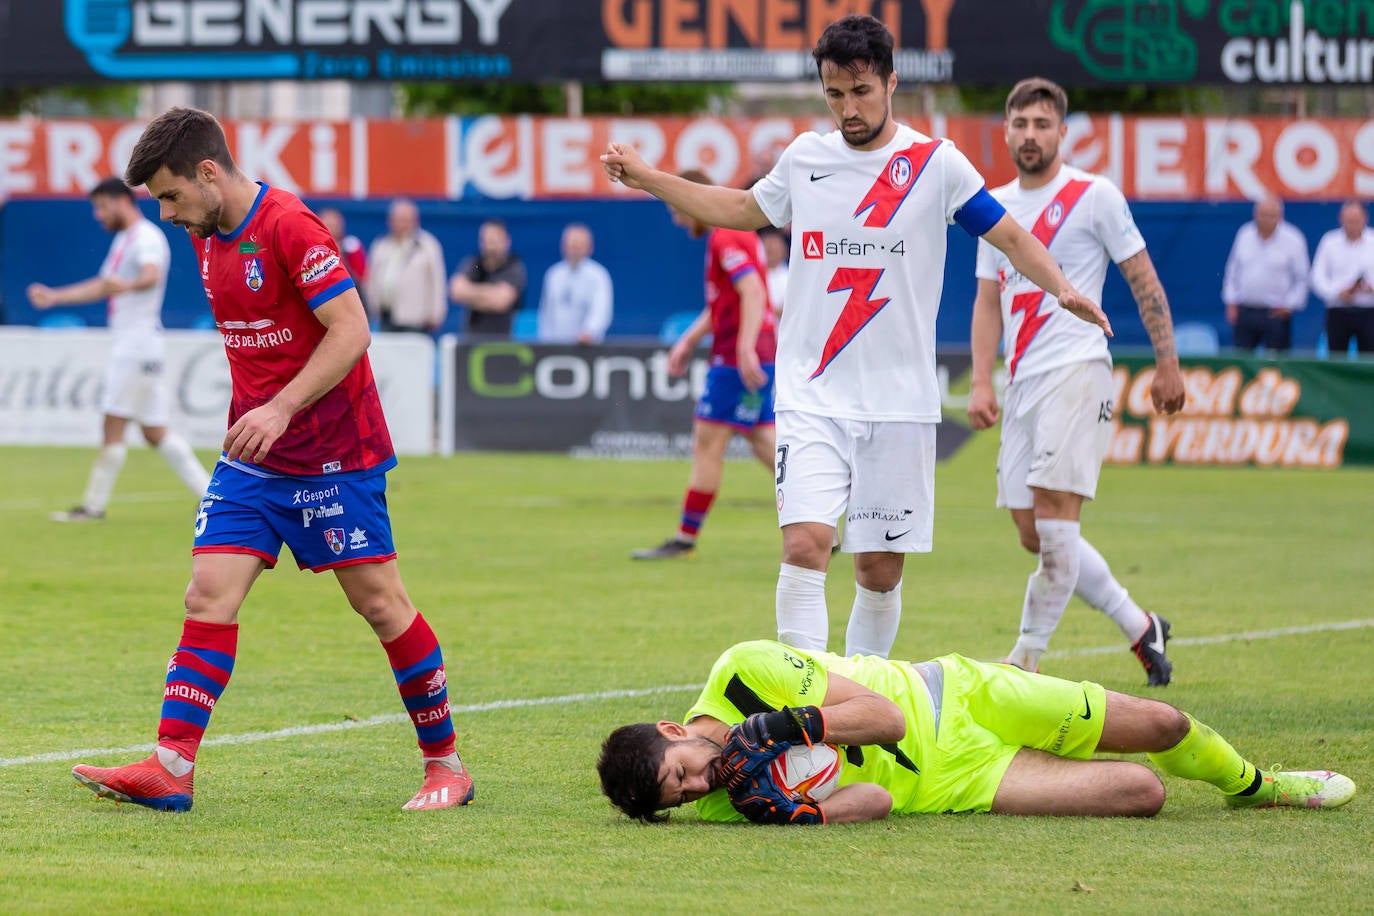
(1144, 797)
(205, 603)
(1030, 540)
(1170, 725)
(381, 609)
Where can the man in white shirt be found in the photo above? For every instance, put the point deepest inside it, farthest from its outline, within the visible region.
(134, 279)
(576, 303)
(1343, 277)
(1058, 413)
(857, 395)
(1266, 279)
(406, 282)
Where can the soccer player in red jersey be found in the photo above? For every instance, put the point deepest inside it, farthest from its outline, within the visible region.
(738, 397)
(304, 462)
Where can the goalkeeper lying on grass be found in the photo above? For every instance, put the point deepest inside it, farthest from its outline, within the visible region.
(950, 734)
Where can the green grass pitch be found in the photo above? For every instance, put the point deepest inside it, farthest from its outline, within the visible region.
(521, 564)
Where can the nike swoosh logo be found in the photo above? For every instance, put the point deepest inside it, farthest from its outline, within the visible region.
(815, 177)
(889, 536)
(1088, 706)
(1158, 642)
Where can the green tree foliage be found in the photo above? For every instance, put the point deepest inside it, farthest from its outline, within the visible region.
(546, 98)
(109, 100)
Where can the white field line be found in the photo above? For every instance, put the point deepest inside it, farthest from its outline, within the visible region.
(55, 501)
(390, 718)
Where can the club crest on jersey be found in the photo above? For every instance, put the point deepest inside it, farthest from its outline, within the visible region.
(1055, 214)
(334, 537)
(899, 172)
(317, 264)
(252, 273)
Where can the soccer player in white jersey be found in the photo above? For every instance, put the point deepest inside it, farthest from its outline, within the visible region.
(857, 398)
(133, 279)
(1057, 419)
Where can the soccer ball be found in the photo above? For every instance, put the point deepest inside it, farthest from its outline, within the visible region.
(808, 774)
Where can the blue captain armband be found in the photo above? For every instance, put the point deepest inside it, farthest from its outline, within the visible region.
(980, 213)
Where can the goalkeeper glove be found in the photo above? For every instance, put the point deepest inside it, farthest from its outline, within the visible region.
(750, 745)
(761, 801)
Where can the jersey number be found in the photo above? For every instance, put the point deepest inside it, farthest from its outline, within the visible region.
(858, 310)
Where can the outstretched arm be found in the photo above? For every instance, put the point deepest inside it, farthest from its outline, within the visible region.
(1033, 260)
(91, 290)
(983, 339)
(730, 208)
(1166, 388)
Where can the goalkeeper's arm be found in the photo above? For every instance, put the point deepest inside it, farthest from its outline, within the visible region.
(856, 715)
(761, 801)
(857, 802)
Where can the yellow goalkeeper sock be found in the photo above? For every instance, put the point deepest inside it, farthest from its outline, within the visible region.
(1206, 756)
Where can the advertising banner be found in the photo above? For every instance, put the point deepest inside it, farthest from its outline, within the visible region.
(1077, 42)
(1245, 411)
(51, 381)
(522, 157)
(602, 402)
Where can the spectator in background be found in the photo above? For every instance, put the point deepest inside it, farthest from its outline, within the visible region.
(1266, 279)
(491, 283)
(350, 246)
(775, 245)
(1343, 278)
(133, 279)
(577, 300)
(405, 278)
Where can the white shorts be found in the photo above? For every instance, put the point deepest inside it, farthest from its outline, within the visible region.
(880, 476)
(134, 390)
(1055, 432)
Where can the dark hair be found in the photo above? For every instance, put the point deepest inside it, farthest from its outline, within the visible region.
(855, 42)
(1037, 89)
(695, 175)
(179, 139)
(111, 187)
(629, 765)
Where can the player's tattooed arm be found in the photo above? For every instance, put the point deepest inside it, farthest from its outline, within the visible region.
(1140, 275)
(1167, 388)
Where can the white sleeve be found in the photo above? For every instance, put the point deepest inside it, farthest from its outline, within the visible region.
(150, 247)
(962, 180)
(985, 267)
(599, 315)
(1322, 282)
(773, 192)
(1113, 223)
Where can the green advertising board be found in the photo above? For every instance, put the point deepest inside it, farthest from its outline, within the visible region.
(1247, 411)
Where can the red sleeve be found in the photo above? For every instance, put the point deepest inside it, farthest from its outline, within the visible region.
(310, 259)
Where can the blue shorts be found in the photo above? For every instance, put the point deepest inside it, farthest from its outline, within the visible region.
(726, 400)
(327, 523)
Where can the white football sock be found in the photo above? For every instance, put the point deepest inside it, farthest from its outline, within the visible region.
(104, 473)
(873, 621)
(177, 452)
(803, 620)
(1048, 590)
(1097, 587)
(174, 763)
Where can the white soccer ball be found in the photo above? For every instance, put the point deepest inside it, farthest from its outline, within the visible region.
(808, 774)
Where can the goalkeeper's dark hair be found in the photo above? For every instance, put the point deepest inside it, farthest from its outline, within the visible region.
(630, 760)
(179, 139)
(856, 43)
